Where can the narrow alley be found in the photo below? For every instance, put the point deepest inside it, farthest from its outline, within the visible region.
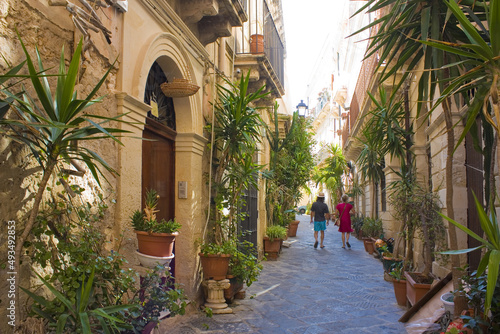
(308, 290)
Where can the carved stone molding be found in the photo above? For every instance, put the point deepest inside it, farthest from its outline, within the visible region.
(192, 11)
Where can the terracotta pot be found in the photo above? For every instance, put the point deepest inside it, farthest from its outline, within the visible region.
(215, 266)
(292, 230)
(156, 244)
(272, 248)
(235, 287)
(400, 291)
(369, 245)
(257, 43)
(415, 291)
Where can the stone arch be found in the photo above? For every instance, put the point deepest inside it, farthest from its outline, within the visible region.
(170, 54)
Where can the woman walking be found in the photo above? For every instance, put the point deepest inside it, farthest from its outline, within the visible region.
(345, 210)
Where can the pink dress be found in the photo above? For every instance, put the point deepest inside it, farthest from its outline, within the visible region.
(345, 220)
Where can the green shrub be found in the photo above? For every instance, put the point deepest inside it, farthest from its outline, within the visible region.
(372, 228)
(276, 232)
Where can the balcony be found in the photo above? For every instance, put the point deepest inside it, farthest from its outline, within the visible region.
(260, 49)
(213, 18)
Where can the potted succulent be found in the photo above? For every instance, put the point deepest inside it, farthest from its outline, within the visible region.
(154, 238)
(273, 240)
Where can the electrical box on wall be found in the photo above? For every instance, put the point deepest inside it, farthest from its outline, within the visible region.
(183, 189)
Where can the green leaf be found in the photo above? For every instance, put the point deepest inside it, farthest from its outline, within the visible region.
(61, 323)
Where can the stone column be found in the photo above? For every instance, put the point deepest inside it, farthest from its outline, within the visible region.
(215, 296)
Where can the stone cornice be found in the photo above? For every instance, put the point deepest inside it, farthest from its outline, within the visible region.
(439, 121)
(190, 142)
(168, 18)
(135, 109)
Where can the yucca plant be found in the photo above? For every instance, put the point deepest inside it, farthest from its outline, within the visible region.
(52, 122)
(490, 261)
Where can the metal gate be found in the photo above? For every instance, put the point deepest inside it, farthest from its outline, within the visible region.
(248, 227)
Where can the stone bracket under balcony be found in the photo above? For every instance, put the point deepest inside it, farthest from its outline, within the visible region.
(261, 73)
(214, 18)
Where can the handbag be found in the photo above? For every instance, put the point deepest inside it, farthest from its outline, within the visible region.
(337, 221)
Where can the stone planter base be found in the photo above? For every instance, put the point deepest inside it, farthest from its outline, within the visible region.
(215, 296)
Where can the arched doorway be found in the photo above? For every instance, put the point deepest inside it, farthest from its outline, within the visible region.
(158, 148)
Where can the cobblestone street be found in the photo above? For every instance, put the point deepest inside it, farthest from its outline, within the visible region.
(308, 290)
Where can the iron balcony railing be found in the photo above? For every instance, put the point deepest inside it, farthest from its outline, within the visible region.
(262, 23)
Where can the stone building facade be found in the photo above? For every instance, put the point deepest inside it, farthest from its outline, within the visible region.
(202, 41)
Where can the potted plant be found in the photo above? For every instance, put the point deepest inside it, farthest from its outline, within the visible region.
(273, 240)
(428, 223)
(157, 295)
(236, 131)
(244, 269)
(215, 259)
(372, 228)
(357, 223)
(293, 224)
(154, 238)
(399, 283)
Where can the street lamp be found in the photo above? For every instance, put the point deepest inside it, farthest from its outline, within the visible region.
(302, 108)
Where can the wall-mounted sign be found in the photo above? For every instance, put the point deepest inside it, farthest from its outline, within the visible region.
(183, 189)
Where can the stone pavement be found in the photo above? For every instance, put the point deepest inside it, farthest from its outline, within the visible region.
(330, 290)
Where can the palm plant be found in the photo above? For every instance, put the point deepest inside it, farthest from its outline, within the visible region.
(481, 52)
(370, 162)
(491, 259)
(331, 171)
(398, 42)
(52, 125)
(236, 132)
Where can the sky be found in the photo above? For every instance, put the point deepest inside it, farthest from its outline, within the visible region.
(307, 25)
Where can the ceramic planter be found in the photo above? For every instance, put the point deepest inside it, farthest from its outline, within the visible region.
(149, 261)
(400, 291)
(292, 229)
(156, 244)
(447, 299)
(272, 248)
(215, 266)
(415, 291)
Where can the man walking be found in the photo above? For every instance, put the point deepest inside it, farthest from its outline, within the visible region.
(321, 218)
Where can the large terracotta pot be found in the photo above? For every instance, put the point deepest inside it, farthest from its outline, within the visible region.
(215, 266)
(415, 291)
(272, 248)
(156, 244)
(369, 245)
(257, 43)
(292, 229)
(400, 291)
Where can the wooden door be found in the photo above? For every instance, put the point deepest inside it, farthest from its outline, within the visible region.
(249, 225)
(158, 166)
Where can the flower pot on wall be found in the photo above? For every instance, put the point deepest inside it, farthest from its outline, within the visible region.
(215, 266)
(400, 291)
(272, 248)
(156, 244)
(292, 229)
(257, 43)
(415, 291)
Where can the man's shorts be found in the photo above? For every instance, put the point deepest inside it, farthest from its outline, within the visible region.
(320, 226)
